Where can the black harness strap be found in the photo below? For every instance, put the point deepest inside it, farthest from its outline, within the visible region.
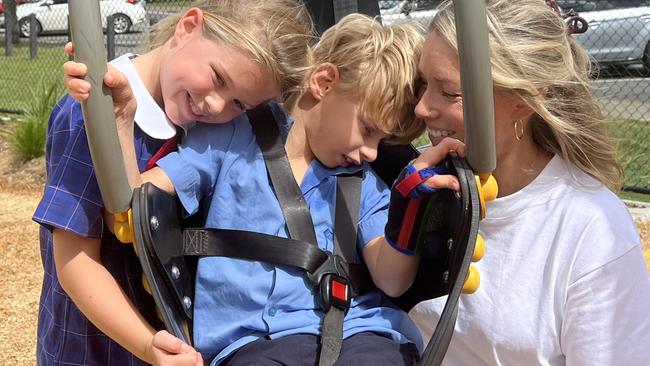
(301, 227)
(293, 205)
(248, 245)
(348, 190)
(252, 246)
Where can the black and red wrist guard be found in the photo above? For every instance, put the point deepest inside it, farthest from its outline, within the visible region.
(405, 225)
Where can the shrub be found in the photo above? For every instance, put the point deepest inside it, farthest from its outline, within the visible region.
(28, 136)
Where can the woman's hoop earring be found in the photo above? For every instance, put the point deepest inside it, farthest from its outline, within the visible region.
(519, 129)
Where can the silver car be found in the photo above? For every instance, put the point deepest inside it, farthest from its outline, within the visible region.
(52, 15)
(619, 30)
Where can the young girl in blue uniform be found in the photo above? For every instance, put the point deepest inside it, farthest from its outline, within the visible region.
(207, 64)
(359, 91)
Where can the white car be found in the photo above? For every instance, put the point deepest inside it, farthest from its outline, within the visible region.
(619, 31)
(52, 15)
(419, 12)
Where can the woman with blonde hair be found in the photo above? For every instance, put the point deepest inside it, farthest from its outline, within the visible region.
(563, 278)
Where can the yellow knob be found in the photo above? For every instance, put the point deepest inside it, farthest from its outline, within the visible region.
(145, 284)
(488, 190)
(123, 226)
(479, 249)
(472, 282)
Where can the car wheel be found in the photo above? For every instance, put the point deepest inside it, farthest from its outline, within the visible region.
(121, 23)
(23, 24)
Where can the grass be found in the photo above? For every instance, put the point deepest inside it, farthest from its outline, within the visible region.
(27, 134)
(633, 139)
(19, 73)
(634, 196)
(28, 139)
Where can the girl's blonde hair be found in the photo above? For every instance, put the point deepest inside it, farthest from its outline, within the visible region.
(378, 65)
(534, 58)
(276, 33)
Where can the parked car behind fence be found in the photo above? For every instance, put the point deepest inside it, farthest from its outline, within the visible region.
(619, 30)
(52, 15)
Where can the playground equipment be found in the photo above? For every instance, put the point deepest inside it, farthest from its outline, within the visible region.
(447, 228)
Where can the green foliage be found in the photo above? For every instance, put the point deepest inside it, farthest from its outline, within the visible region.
(19, 72)
(28, 138)
(422, 140)
(633, 140)
(28, 135)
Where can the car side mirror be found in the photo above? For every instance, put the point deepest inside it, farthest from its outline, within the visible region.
(48, 3)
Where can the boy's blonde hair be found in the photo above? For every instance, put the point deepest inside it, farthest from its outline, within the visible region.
(276, 33)
(534, 58)
(378, 65)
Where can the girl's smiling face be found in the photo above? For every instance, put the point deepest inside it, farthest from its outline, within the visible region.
(206, 80)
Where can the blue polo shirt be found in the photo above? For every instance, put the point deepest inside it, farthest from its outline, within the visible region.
(220, 168)
(72, 202)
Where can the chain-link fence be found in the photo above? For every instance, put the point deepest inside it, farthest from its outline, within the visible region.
(618, 41)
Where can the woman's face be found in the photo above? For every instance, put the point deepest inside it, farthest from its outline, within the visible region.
(441, 101)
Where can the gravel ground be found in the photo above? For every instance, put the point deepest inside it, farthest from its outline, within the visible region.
(21, 269)
(20, 265)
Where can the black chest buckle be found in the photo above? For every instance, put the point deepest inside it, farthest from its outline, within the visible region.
(333, 281)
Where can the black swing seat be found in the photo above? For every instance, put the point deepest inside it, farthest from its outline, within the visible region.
(167, 250)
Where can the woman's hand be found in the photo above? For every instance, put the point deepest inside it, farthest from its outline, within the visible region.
(124, 102)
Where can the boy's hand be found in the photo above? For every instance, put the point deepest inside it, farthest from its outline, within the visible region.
(124, 102)
(433, 156)
(418, 180)
(165, 349)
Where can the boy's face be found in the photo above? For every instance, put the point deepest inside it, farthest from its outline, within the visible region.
(340, 134)
(209, 81)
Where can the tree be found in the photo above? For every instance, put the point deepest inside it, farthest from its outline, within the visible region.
(10, 18)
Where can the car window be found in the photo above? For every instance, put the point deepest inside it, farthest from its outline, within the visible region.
(60, 2)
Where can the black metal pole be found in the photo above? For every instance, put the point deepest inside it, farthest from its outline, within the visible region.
(110, 37)
(9, 31)
(33, 53)
(70, 57)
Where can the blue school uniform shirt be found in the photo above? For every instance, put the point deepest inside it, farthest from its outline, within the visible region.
(72, 202)
(220, 168)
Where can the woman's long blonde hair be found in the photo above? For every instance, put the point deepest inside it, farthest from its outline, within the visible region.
(535, 58)
(276, 33)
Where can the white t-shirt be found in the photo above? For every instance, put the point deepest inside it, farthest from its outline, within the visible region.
(563, 281)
